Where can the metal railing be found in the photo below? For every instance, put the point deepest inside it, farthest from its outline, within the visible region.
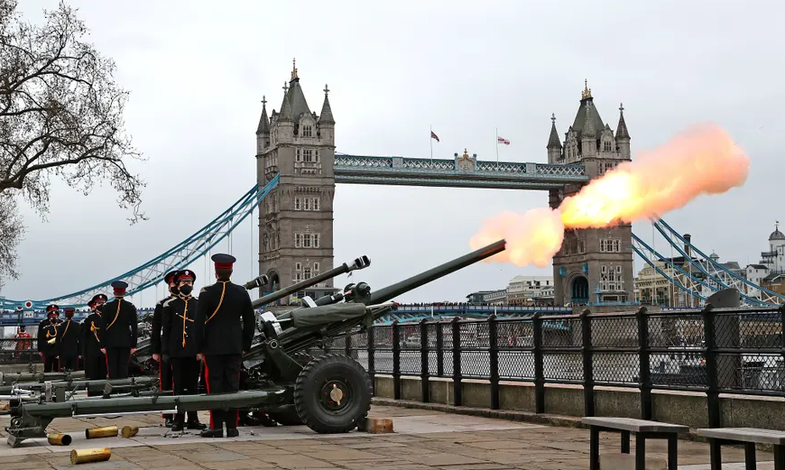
(711, 351)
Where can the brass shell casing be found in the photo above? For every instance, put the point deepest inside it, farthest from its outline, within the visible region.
(90, 455)
(59, 439)
(94, 433)
(129, 431)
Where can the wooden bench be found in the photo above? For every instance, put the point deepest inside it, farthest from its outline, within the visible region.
(642, 429)
(747, 437)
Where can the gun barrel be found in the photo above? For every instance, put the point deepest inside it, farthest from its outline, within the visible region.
(359, 263)
(390, 292)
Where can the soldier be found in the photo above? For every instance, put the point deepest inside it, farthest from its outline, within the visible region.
(47, 333)
(94, 359)
(119, 335)
(165, 381)
(68, 334)
(224, 331)
(23, 341)
(178, 345)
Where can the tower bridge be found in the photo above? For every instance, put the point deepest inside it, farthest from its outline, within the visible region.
(298, 169)
(295, 221)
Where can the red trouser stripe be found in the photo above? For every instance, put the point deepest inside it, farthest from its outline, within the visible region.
(106, 360)
(160, 371)
(207, 384)
(58, 365)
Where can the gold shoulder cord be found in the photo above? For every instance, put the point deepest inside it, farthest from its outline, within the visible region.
(94, 329)
(117, 313)
(223, 292)
(68, 323)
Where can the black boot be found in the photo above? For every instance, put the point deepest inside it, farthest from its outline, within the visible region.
(178, 423)
(193, 422)
(217, 432)
(232, 432)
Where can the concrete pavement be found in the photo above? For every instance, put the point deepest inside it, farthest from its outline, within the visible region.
(423, 440)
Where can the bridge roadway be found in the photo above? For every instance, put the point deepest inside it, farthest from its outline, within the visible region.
(423, 440)
(405, 313)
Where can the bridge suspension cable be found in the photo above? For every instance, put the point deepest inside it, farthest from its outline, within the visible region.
(179, 256)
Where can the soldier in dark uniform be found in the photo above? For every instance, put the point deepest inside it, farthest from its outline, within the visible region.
(165, 381)
(119, 333)
(47, 333)
(94, 359)
(68, 334)
(224, 330)
(179, 346)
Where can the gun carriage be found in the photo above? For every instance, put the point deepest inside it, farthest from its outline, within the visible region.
(330, 393)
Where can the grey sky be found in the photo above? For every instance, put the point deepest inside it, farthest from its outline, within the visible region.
(197, 73)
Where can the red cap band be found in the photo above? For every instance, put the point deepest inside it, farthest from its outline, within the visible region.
(224, 265)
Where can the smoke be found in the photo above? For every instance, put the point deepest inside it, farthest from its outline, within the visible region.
(701, 160)
(532, 237)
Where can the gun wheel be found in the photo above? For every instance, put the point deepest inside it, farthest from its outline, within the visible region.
(332, 393)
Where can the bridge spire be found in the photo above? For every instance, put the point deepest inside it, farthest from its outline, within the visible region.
(326, 116)
(553, 139)
(586, 93)
(264, 121)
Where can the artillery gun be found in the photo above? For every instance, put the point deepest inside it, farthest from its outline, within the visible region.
(330, 393)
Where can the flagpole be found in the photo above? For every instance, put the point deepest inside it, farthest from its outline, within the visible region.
(430, 139)
(497, 147)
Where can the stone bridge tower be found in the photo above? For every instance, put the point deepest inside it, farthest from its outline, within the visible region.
(593, 265)
(296, 218)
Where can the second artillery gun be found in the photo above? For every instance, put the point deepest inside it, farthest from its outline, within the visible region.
(330, 393)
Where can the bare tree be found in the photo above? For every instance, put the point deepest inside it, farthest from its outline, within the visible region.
(61, 115)
(11, 233)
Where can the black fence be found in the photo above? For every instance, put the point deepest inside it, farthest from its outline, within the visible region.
(19, 351)
(711, 351)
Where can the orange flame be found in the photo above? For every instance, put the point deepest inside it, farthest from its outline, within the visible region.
(701, 160)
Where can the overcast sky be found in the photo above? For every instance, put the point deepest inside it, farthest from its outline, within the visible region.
(197, 71)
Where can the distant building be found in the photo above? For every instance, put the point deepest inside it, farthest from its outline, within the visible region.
(530, 290)
(488, 297)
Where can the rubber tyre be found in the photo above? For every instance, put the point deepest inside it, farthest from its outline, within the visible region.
(287, 418)
(307, 391)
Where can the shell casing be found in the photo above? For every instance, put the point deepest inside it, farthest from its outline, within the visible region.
(93, 433)
(129, 431)
(90, 455)
(59, 439)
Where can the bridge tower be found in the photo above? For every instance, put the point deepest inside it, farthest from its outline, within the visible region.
(296, 218)
(593, 265)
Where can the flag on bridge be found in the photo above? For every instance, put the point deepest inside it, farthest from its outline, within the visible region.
(434, 136)
(502, 140)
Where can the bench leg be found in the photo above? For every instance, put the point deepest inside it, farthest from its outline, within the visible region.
(749, 456)
(594, 449)
(779, 457)
(640, 452)
(625, 442)
(673, 452)
(715, 454)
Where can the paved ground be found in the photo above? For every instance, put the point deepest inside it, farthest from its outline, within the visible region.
(423, 440)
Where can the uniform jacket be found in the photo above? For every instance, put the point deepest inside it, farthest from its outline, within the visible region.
(119, 320)
(224, 319)
(91, 343)
(178, 316)
(155, 338)
(68, 336)
(46, 331)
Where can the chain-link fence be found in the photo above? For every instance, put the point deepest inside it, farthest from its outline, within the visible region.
(712, 351)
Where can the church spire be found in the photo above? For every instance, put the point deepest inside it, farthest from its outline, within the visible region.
(326, 116)
(586, 93)
(621, 129)
(264, 121)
